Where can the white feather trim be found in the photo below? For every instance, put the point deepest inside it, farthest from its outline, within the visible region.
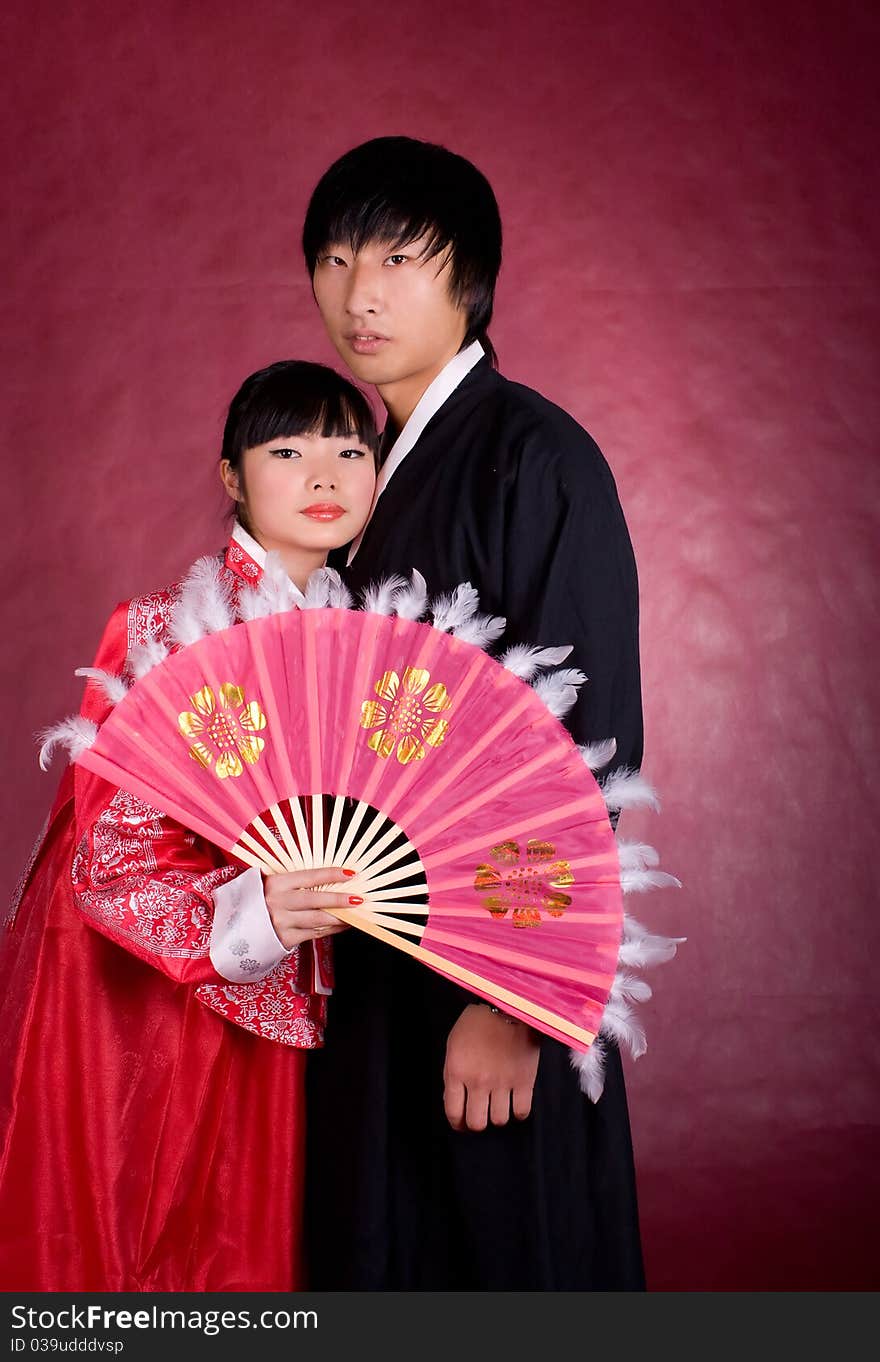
(630, 987)
(644, 951)
(524, 661)
(635, 855)
(338, 594)
(452, 611)
(379, 597)
(480, 630)
(640, 948)
(595, 755)
(75, 733)
(590, 1067)
(205, 604)
(251, 605)
(144, 657)
(317, 592)
(210, 583)
(185, 627)
(274, 594)
(621, 1024)
(626, 789)
(559, 689)
(114, 687)
(638, 881)
(411, 600)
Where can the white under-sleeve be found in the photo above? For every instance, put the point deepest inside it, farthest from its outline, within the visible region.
(244, 947)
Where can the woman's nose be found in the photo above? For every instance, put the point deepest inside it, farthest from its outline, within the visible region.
(323, 482)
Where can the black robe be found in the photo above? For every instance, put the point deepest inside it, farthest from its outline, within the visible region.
(506, 491)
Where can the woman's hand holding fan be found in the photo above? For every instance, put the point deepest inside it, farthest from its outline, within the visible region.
(291, 905)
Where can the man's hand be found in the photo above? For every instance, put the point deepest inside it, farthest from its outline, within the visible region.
(490, 1070)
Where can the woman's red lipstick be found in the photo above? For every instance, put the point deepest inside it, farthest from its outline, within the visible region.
(324, 510)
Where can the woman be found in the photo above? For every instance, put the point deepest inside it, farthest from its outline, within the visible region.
(151, 1097)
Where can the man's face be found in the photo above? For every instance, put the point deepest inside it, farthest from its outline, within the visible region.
(388, 311)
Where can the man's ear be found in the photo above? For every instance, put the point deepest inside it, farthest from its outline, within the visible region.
(229, 478)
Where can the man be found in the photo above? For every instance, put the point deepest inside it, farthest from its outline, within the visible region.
(450, 1147)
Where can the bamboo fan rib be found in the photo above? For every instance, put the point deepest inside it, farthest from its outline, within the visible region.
(379, 887)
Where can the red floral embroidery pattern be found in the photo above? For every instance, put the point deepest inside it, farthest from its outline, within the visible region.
(273, 1008)
(118, 880)
(241, 563)
(149, 617)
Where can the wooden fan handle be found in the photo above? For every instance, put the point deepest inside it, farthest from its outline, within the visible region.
(466, 976)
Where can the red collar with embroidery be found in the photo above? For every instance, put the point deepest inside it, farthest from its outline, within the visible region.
(240, 563)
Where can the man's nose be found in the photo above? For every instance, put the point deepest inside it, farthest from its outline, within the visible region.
(364, 296)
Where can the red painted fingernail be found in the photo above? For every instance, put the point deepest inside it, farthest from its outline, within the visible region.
(355, 900)
(349, 873)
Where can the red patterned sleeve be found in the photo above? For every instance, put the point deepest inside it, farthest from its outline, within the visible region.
(146, 882)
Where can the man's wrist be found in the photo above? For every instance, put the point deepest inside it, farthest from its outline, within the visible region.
(498, 1012)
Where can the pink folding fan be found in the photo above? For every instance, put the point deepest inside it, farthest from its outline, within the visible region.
(479, 837)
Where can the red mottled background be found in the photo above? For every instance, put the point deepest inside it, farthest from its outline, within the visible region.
(689, 198)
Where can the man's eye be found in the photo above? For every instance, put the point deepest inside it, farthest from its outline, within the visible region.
(334, 260)
(396, 259)
(284, 452)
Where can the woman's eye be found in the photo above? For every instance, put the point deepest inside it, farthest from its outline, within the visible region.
(352, 454)
(284, 452)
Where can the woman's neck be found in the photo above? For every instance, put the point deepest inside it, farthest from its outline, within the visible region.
(299, 564)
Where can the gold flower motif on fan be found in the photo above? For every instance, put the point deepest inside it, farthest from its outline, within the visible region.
(404, 718)
(222, 730)
(525, 884)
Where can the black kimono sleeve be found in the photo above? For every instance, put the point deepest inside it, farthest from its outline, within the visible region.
(569, 577)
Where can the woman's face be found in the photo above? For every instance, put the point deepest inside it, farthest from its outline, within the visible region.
(308, 493)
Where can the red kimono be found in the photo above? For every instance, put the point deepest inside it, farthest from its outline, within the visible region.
(151, 1111)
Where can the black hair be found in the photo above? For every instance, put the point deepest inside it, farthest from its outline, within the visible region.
(294, 397)
(398, 189)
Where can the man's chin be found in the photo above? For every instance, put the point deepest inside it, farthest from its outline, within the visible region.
(376, 369)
